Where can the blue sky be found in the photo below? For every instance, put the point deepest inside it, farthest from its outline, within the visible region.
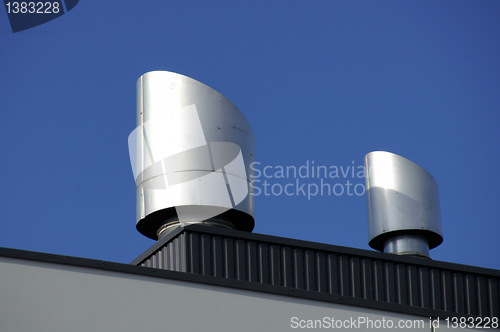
(323, 81)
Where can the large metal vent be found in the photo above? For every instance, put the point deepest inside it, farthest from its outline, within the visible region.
(403, 205)
(191, 154)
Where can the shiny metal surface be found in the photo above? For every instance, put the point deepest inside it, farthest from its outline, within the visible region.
(407, 244)
(403, 203)
(191, 154)
(165, 229)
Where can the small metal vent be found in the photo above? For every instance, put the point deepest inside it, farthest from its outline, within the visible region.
(403, 205)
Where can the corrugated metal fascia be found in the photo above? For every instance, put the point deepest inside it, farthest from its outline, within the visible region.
(347, 272)
(338, 249)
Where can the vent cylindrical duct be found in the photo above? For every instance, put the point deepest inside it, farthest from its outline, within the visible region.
(191, 156)
(403, 205)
